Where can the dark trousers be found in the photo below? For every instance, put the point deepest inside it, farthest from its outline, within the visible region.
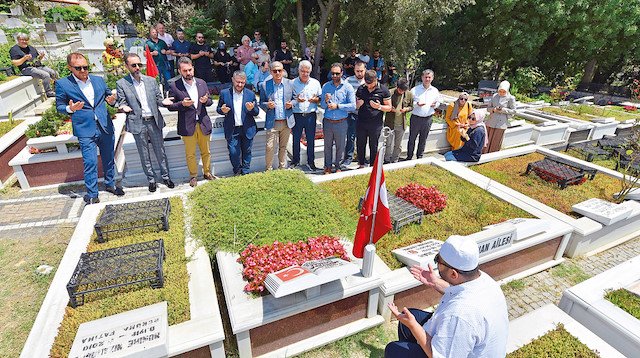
(239, 151)
(370, 132)
(150, 133)
(419, 126)
(351, 137)
(406, 346)
(89, 147)
(308, 123)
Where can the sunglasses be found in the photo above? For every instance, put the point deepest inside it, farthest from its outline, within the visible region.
(277, 71)
(437, 261)
(139, 65)
(462, 99)
(336, 73)
(80, 68)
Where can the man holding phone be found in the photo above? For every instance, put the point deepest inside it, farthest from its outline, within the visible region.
(426, 98)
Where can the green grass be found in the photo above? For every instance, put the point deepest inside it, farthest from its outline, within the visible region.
(511, 172)
(9, 78)
(260, 208)
(603, 112)
(368, 343)
(515, 285)
(114, 301)
(469, 208)
(5, 127)
(626, 300)
(562, 112)
(571, 272)
(557, 343)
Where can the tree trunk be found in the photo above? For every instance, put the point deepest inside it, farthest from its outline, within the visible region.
(325, 10)
(589, 71)
(275, 29)
(303, 36)
(335, 20)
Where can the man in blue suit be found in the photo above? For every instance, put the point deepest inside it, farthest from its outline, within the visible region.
(275, 99)
(239, 107)
(83, 97)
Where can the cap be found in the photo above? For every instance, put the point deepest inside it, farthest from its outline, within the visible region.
(460, 252)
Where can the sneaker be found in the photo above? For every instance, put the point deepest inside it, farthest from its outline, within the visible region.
(90, 201)
(153, 187)
(313, 167)
(115, 190)
(169, 183)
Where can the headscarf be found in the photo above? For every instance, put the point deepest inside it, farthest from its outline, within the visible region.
(480, 114)
(456, 110)
(505, 85)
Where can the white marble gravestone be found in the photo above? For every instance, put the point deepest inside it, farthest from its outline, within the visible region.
(602, 211)
(494, 239)
(12, 22)
(93, 38)
(138, 333)
(634, 194)
(50, 37)
(419, 254)
(3, 38)
(524, 227)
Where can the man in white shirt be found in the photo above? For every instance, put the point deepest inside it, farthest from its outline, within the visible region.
(471, 319)
(306, 96)
(426, 98)
(166, 37)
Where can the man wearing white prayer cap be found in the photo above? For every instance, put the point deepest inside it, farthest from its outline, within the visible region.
(471, 319)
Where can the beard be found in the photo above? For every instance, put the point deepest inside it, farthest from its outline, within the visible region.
(188, 77)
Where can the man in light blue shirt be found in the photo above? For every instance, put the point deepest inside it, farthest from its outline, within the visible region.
(338, 99)
(251, 68)
(261, 75)
(355, 81)
(306, 96)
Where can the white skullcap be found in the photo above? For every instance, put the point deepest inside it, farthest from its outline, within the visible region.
(460, 252)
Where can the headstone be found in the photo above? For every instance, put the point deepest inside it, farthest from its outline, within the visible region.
(57, 17)
(633, 194)
(308, 275)
(419, 254)
(583, 99)
(3, 38)
(13, 22)
(524, 227)
(138, 333)
(139, 50)
(563, 103)
(548, 123)
(17, 11)
(112, 29)
(494, 239)
(603, 119)
(602, 211)
(50, 37)
(93, 38)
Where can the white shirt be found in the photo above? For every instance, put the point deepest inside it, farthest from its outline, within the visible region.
(87, 90)
(169, 40)
(193, 94)
(142, 96)
(425, 95)
(470, 321)
(308, 90)
(237, 108)
(364, 58)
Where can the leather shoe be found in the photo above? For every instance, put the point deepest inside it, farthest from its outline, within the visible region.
(90, 201)
(327, 171)
(293, 164)
(313, 167)
(209, 176)
(193, 181)
(360, 166)
(115, 190)
(169, 183)
(153, 187)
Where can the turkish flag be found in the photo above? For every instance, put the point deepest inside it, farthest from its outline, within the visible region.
(375, 200)
(152, 69)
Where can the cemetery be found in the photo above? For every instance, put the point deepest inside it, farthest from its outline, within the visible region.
(262, 265)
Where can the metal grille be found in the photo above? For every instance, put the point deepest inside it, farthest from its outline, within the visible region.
(131, 216)
(589, 150)
(401, 212)
(117, 267)
(582, 169)
(555, 172)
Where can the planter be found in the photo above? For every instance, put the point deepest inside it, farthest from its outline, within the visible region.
(524, 329)
(202, 334)
(10, 145)
(19, 96)
(585, 302)
(42, 169)
(551, 132)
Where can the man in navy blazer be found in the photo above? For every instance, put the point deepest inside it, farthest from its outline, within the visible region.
(238, 105)
(83, 97)
(276, 95)
(190, 98)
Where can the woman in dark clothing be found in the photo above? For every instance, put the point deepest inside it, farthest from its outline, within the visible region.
(474, 139)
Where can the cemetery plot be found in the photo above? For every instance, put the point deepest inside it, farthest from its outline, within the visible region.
(401, 212)
(12, 141)
(131, 216)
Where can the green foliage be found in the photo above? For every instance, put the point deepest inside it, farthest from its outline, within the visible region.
(626, 300)
(69, 13)
(571, 272)
(5, 127)
(527, 80)
(5, 58)
(557, 343)
(261, 208)
(543, 97)
(200, 23)
(514, 285)
(48, 125)
(3, 77)
(109, 302)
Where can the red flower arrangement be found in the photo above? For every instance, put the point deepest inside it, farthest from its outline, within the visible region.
(426, 198)
(630, 108)
(260, 261)
(550, 177)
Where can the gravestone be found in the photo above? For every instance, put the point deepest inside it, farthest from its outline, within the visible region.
(524, 227)
(419, 254)
(139, 50)
(130, 42)
(3, 38)
(138, 333)
(602, 211)
(57, 17)
(50, 37)
(494, 239)
(634, 194)
(93, 38)
(16, 11)
(12, 22)
(308, 276)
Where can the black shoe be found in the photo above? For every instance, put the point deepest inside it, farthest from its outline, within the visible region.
(51, 95)
(169, 183)
(115, 190)
(293, 164)
(152, 187)
(90, 201)
(313, 167)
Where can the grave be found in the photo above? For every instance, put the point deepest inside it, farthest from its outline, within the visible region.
(3, 37)
(10, 145)
(602, 211)
(19, 96)
(525, 227)
(420, 254)
(137, 333)
(50, 37)
(93, 46)
(494, 239)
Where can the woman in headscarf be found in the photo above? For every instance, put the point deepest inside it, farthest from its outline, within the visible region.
(475, 139)
(308, 55)
(456, 117)
(224, 63)
(501, 107)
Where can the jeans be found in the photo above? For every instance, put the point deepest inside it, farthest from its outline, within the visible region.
(239, 151)
(44, 73)
(370, 132)
(308, 123)
(163, 70)
(419, 126)
(351, 138)
(406, 346)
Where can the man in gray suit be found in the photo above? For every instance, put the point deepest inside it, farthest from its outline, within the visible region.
(139, 97)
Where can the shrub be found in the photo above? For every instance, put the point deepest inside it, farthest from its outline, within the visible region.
(527, 80)
(5, 58)
(51, 121)
(626, 300)
(556, 343)
(426, 198)
(69, 13)
(259, 261)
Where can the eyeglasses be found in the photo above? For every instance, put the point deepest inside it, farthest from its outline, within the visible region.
(437, 261)
(277, 71)
(80, 68)
(462, 99)
(139, 65)
(256, 34)
(336, 73)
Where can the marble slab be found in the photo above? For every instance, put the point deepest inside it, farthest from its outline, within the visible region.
(602, 211)
(524, 227)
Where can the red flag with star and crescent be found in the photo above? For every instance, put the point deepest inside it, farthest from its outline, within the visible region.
(152, 69)
(375, 201)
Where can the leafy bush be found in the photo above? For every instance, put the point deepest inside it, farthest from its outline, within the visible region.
(626, 300)
(51, 121)
(557, 343)
(527, 80)
(69, 13)
(426, 198)
(5, 58)
(259, 261)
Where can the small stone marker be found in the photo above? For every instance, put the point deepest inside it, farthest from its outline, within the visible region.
(308, 275)
(602, 211)
(51, 37)
(138, 333)
(524, 227)
(634, 194)
(3, 38)
(494, 239)
(419, 254)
